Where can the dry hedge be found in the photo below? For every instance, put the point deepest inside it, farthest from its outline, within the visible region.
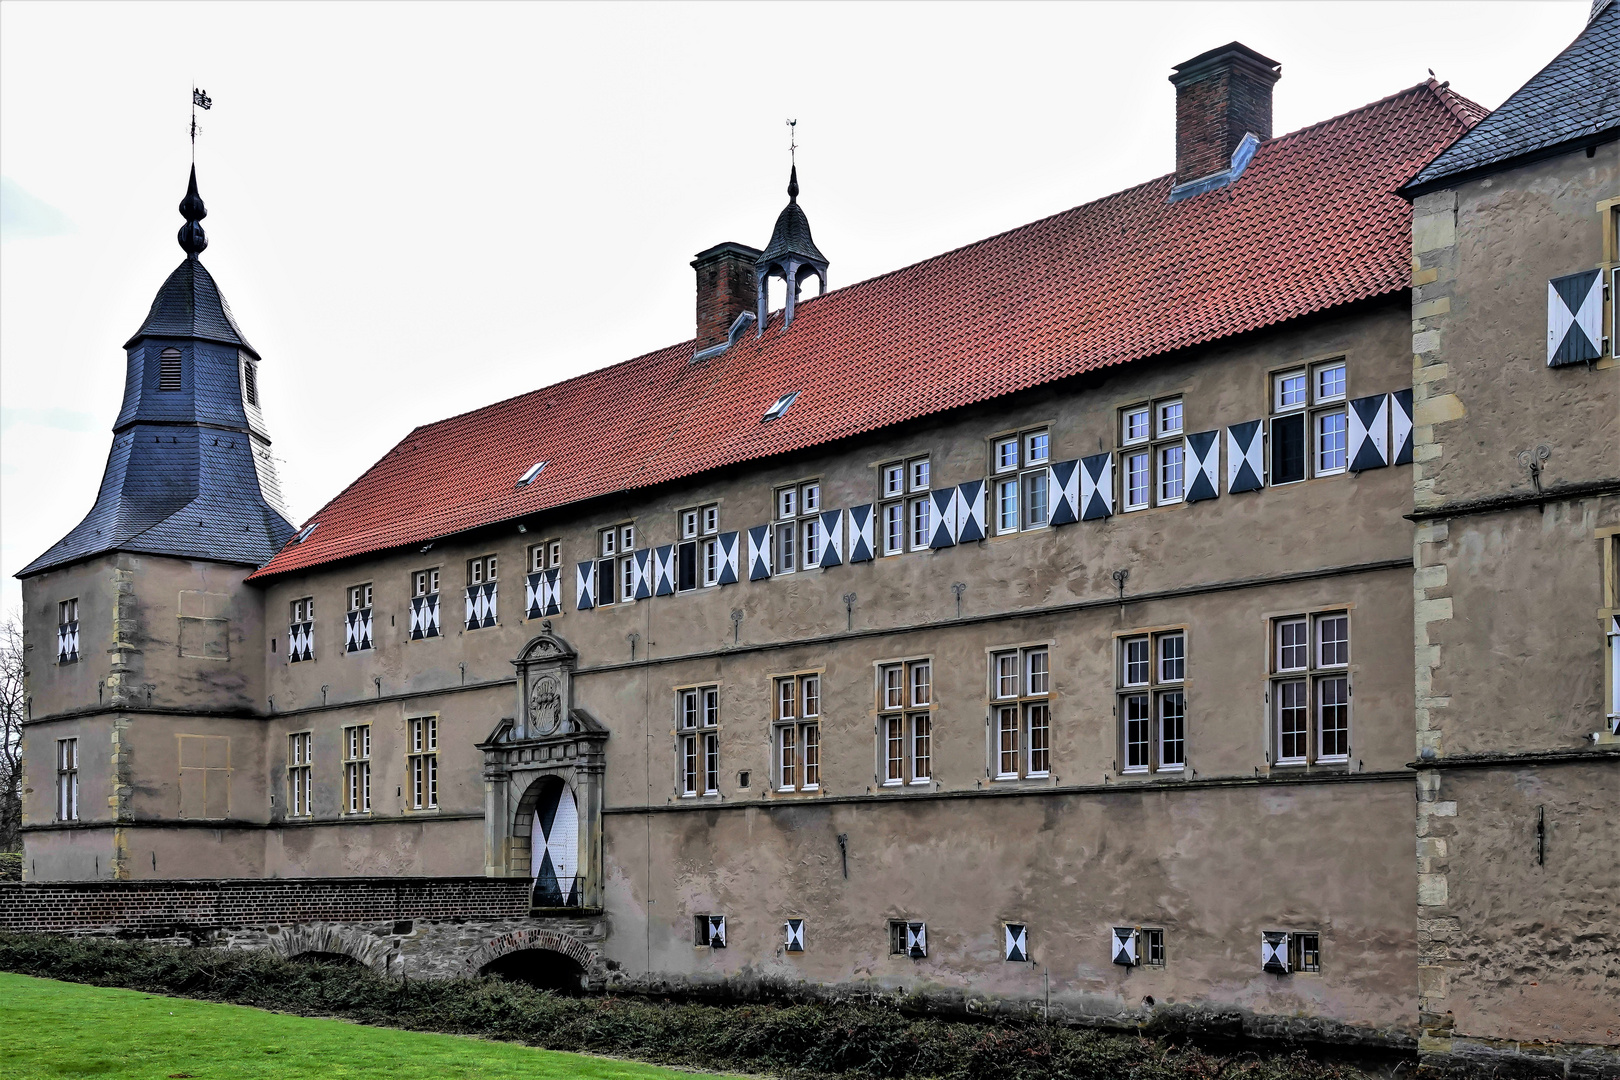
(847, 1040)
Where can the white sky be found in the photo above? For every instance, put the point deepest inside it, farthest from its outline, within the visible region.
(418, 209)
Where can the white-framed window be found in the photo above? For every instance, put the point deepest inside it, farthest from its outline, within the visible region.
(893, 483)
(797, 736)
(483, 592)
(1310, 688)
(67, 779)
(298, 774)
(1167, 418)
(67, 631)
(424, 604)
(358, 628)
(1152, 701)
(798, 526)
(357, 769)
(1021, 713)
(1135, 425)
(616, 560)
(301, 630)
(907, 523)
(920, 512)
(905, 726)
(894, 528)
(1019, 461)
(546, 555)
(697, 723)
(1152, 455)
(422, 762)
(1308, 432)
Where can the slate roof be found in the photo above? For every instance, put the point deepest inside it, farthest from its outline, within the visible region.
(1314, 223)
(1571, 100)
(172, 491)
(190, 305)
(792, 233)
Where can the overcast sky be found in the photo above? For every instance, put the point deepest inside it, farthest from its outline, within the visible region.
(418, 209)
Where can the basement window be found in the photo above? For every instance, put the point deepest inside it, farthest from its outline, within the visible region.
(781, 406)
(529, 475)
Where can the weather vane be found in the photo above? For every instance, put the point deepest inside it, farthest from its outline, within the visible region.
(793, 142)
(198, 97)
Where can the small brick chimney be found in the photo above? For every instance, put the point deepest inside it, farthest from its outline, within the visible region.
(1220, 96)
(725, 289)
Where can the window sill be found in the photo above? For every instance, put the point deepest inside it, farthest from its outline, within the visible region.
(892, 783)
(1001, 777)
(1172, 768)
(1135, 772)
(922, 781)
(421, 811)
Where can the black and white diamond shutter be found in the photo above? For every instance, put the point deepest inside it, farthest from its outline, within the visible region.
(759, 552)
(640, 579)
(860, 533)
(1124, 945)
(944, 518)
(1096, 487)
(969, 512)
(917, 938)
(795, 935)
(1016, 942)
(1203, 465)
(717, 931)
(67, 641)
(542, 594)
(1369, 433)
(554, 848)
(419, 617)
(832, 538)
(728, 559)
(585, 586)
(1400, 424)
(1063, 492)
(481, 605)
(664, 570)
(301, 641)
(1245, 457)
(357, 631)
(1575, 318)
(1274, 951)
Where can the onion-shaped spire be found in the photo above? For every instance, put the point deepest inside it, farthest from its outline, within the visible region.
(793, 184)
(193, 241)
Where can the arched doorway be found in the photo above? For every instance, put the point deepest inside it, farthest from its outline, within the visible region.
(554, 844)
(539, 968)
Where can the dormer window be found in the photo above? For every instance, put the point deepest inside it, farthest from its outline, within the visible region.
(530, 473)
(780, 407)
(308, 529)
(169, 371)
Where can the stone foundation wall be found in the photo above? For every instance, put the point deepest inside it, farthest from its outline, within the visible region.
(422, 928)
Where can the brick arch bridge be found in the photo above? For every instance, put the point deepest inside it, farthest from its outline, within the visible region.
(351, 941)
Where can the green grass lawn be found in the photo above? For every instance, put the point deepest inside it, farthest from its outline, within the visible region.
(57, 1029)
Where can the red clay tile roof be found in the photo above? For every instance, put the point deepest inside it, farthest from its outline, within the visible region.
(1313, 223)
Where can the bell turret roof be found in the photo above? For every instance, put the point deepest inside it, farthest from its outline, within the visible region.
(792, 233)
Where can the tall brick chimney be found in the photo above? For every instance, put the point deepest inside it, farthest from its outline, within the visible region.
(725, 289)
(1220, 96)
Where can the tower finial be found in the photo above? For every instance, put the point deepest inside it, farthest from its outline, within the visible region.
(793, 160)
(193, 241)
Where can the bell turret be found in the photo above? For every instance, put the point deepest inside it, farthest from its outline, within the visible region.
(791, 255)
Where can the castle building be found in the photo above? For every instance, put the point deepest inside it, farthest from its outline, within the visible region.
(1028, 629)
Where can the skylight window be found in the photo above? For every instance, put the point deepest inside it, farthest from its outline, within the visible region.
(311, 527)
(780, 407)
(533, 471)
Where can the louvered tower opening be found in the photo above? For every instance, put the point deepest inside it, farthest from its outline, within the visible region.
(169, 371)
